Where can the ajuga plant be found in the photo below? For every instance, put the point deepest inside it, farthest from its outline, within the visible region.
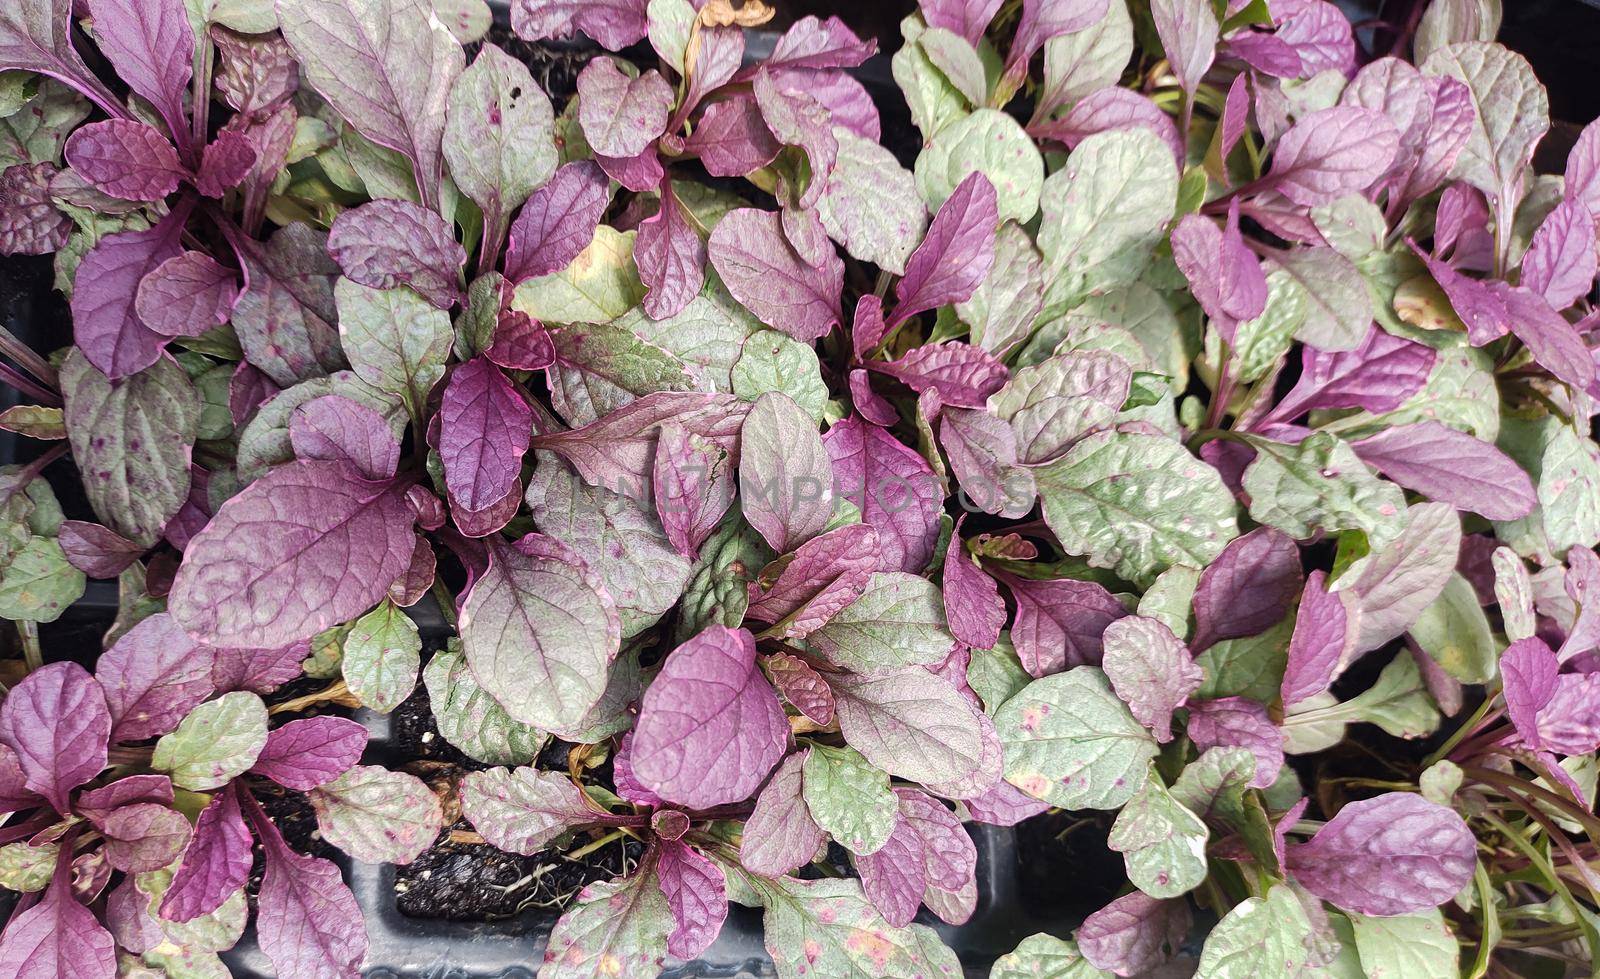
(1194, 441)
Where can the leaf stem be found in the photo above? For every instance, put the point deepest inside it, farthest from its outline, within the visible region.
(31, 653)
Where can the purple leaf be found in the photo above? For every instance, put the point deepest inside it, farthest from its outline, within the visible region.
(894, 876)
(30, 224)
(1041, 20)
(1332, 152)
(215, 864)
(558, 221)
(1554, 342)
(1223, 272)
(105, 323)
(387, 69)
(968, 18)
(762, 271)
(1321, 35)
(306, 546)
(57, 722)
(972, 604)
(100, 803)
(285, 316)
(409, 588)
(615, 24)
(248, 389)
(963, 375)
(955, 255)
(732, 138)
(307, 921)
(388, 243)
(1451, 467)
(58, 937)
(713, 63)
(693, 487)
(1583, 170)
(786, 479)
(802, 686)
(226, 162)
(1528, 671)
(1134, 934)
(822, 577)
(618, 449)
(97, 551)
(40, 40)
(336, 428)
(813, 43)
(484, 428)
(1242, 723)
(256, 71)
(126, 159)
(1188, 33)
(710, 726)
(982, 449)
(1560, 262)
(949, 856)
(696, 890)
(521, 342)
(1393, 854)
(621, 115)
(1570, 723)
(258, 670)
(797, 119)
(14, 792)
(150, 43)
(1326, 627)
(806, 235)
(1150, 669)
(1378, 376)
(186, 295)
(1248, 589)
(671, 257)
(892, 486)
(311, 751)
(1003, 804)
(143, 836)
(152, 678)
(1112, 108)
(1059, 623)
(780, 834)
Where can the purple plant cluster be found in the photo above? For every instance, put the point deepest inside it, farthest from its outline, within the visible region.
(1194, 441)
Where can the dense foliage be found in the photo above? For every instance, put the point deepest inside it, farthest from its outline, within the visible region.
(1207, 405)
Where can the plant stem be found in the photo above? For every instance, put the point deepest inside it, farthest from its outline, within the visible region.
(31, 654)
(333, 691)
(589, 848)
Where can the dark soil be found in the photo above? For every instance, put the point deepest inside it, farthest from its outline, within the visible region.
(459, 881)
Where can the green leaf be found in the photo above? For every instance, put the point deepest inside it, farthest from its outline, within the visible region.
(1513, 113)
(871, 205)
(933, 101)
(914, 725)
(1000, 312)
(1069, 741)
(34, 421)
(1137, 504)
(36, 132)
(217, 931)
(996, 675)
(1410, 946)
(499, 136)
(898, 621)
(470, 719)
(1399, 702)
(718, 588)
(381, 657)
(1338, 309)
(849, 798)
(1320, 484)
(616, 928)
(397, 341)
(1217, 780)
(817, 928)
(1106, 210)
(670, 24)
(1169, 597)
(216, 743)
(991, 143)
(25, 868)
(1460, 392)
(377, 816)
(1162, 843)
(1084, 61)
(602, 366)
(132, 438)
(1260, 937)
(1261, 342)
(1455, 632)
(599, 285)
(1252, 666)
(38, 584)
(1569, 490)
(706, 336)
(1044, 957)
(774, 361)
(1052, 404)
